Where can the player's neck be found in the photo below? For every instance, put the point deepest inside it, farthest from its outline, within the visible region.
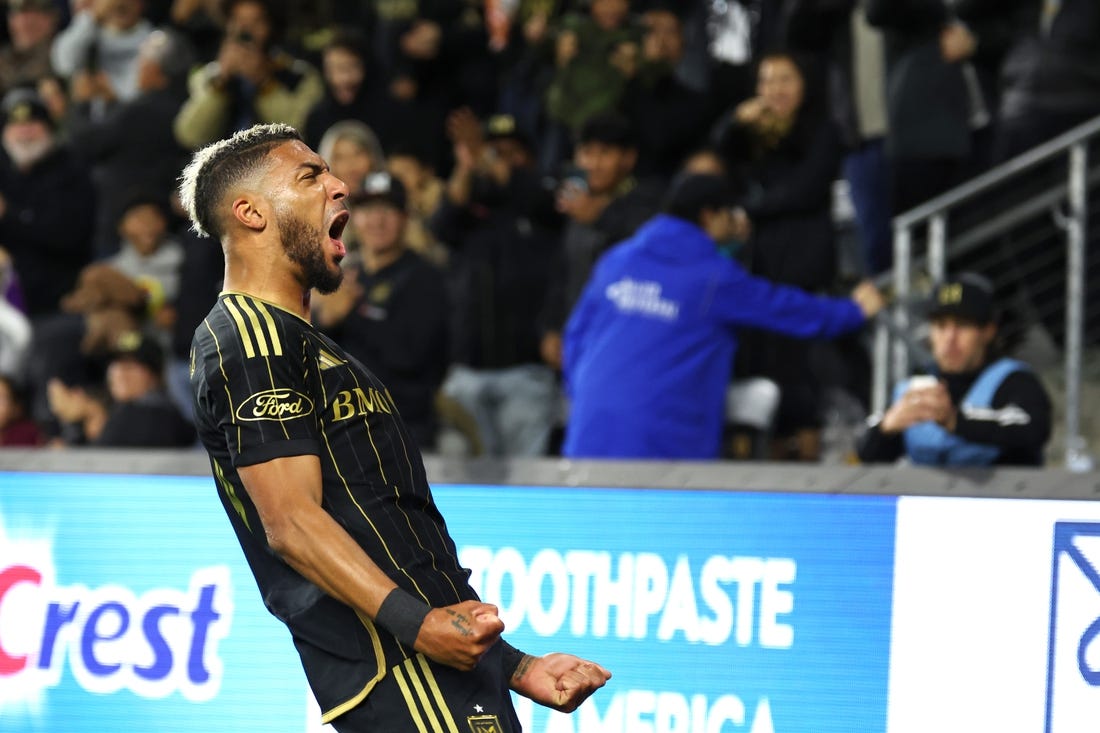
(267, 283)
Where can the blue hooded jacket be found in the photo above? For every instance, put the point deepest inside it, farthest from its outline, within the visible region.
(649, 345)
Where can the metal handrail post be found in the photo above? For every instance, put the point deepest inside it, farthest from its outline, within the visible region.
(903, 252)
(937, 246)
(880, 374)
(1076, 457)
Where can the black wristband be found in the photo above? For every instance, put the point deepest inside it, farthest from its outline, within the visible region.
(402, 614)
(509, 659)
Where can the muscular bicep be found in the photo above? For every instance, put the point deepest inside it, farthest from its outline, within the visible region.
(282, 489)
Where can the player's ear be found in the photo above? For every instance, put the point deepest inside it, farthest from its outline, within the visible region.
(248, 214)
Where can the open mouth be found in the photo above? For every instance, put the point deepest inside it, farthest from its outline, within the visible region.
(336, 230)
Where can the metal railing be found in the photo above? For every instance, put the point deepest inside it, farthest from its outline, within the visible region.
(1066, 200)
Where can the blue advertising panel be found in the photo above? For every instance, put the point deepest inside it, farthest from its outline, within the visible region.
(715, 611)
(125, 603)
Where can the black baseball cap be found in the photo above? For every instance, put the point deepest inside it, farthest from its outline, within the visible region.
(138, 347)
(24, 105)
(505, 127)
(968, 296)
(381, 187)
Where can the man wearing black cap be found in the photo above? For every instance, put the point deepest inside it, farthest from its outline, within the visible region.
(47, 203)
(973, 409)
(393, 313)
(650, 344)
(142, 414)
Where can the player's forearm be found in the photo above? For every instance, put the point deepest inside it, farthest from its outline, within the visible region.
(315, 545)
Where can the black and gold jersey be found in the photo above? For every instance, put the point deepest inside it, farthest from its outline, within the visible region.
(267, 385)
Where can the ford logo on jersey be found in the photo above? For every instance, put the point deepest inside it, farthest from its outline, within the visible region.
(275, 404)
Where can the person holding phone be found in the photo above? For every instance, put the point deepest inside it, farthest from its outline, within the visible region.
(251, 81)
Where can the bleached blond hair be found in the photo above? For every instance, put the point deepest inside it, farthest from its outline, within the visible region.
(218, 167)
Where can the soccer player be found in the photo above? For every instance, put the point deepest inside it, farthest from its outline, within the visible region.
(316, 471)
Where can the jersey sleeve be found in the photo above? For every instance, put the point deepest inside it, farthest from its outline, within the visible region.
(258, 389)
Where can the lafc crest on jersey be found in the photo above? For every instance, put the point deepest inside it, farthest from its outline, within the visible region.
(484, 724)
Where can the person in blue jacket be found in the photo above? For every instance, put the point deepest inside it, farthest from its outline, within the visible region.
(649, 345)
(975, 408)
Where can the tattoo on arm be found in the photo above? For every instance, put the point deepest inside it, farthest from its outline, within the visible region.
(523, 666)
(460, 622)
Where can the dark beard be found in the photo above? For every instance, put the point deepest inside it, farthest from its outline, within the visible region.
(300, 242)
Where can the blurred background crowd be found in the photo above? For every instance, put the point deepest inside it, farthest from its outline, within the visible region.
(494, 150)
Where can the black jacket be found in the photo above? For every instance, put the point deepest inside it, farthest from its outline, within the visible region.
(1021, 442)
(1057, 72)
(789, 198)
(46, 225)
(502, 245)
(132, 152)
(919, 80)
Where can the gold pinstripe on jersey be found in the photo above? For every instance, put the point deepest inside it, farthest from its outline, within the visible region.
(242, 329)
(257, 330)
(273, 333)
(410, 702)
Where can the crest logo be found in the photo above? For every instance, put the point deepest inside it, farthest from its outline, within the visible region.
(275, 404)
(484, 724)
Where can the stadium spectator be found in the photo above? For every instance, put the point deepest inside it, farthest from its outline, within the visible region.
(132, 148)
(430, 56)
(16, 427)
(1051, 80)
(669, 117)
(79, 404)
(945, 56)
(349, 90)
(855, 56)
(200, 21)
(353, 152)
(411, 165)
(392, 315)
(500, 225)
(133, 412)
(47, 203)
(25, 58)
(603, 203)
(150, 256)
(595, 54)
(650, 345)
(786, 149)
(975, 407)
(98, 51)
(251, 81)
(141, 414)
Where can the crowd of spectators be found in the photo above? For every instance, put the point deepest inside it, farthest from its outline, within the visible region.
(494, 151)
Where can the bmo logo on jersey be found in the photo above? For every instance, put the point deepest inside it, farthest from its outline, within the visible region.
(162, 641)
